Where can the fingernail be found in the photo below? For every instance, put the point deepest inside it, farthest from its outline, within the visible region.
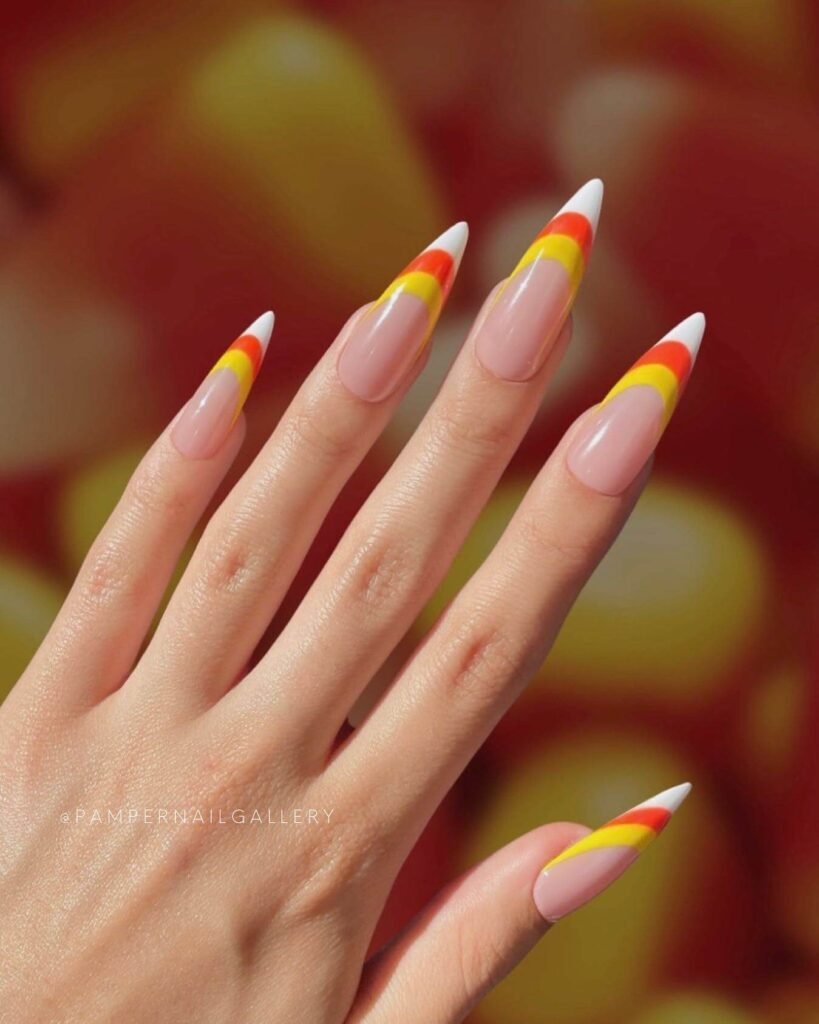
(535, 299)
(208, 417)
(585, 869)
(385, 343)
(615, 443)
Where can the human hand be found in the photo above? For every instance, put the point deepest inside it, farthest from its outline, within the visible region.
(217, 916)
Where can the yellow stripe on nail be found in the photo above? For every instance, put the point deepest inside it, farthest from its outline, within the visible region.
(240, 364)
(635, 836)
(423, 286)
(556, 247)
(655, 375)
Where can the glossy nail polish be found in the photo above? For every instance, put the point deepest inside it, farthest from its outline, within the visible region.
(534, 301)
(208, 418)
(386, 341)
(615, 442)
(586, 868)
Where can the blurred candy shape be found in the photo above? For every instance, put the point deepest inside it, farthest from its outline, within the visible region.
(69, 82)
(675, 604)
(696, 1008)
(313, 142)
(276, 171)
(682, 914)
(29, 601)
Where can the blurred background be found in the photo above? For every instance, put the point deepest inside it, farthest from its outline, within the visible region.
(167, 171)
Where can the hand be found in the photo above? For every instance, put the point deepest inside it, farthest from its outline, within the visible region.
(141, 876)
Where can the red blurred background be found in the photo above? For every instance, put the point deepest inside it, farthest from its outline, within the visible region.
(168, 171)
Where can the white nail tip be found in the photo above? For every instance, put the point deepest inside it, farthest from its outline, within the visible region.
(262, 328)
(689, 332)
(588, 200)
(453, 241)
(670, 799)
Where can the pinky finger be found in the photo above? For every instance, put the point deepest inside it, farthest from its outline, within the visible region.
(103, 623)
(482, 925)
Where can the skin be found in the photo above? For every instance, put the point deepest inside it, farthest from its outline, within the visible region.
(219, 923)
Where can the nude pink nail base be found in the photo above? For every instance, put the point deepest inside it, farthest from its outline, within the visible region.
(612, 446)
(385, 342)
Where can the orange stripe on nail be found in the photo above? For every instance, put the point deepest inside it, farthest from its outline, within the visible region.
(576, 226)
(671, 354)
(437, 263)
(655, 818)
(252, 348)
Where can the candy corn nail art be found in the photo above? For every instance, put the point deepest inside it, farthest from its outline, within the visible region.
(568, 236)
(209, 416)
(667, 365)
(530, 307)
(430, 275)
(586, 868)
(613, 444)
(244, 357)
(387, 339)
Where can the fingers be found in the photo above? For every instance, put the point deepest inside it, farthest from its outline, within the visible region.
(402, 541)
(104, 621)
(482, 925)
(257, 540)
(498, 630)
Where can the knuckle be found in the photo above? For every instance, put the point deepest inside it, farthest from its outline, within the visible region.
(480, 662)
(381, 572)
(459, 425)
(230, 565)
(108, 575)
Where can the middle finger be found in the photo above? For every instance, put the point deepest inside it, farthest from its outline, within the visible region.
(401, 543)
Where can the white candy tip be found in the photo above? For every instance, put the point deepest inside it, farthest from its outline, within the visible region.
(587, 201)
(689, 332)
(670, 799)
(453, 241)
(262, 328)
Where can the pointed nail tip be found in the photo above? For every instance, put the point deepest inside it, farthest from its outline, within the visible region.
(453, 241)
(588, 201)
(671, 799)
(262, 328)
(689, 332)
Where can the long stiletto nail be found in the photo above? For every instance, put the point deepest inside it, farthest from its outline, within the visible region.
(584, 870)
(614, 444)
(385, 343)
(208, 417)
(534, 301)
